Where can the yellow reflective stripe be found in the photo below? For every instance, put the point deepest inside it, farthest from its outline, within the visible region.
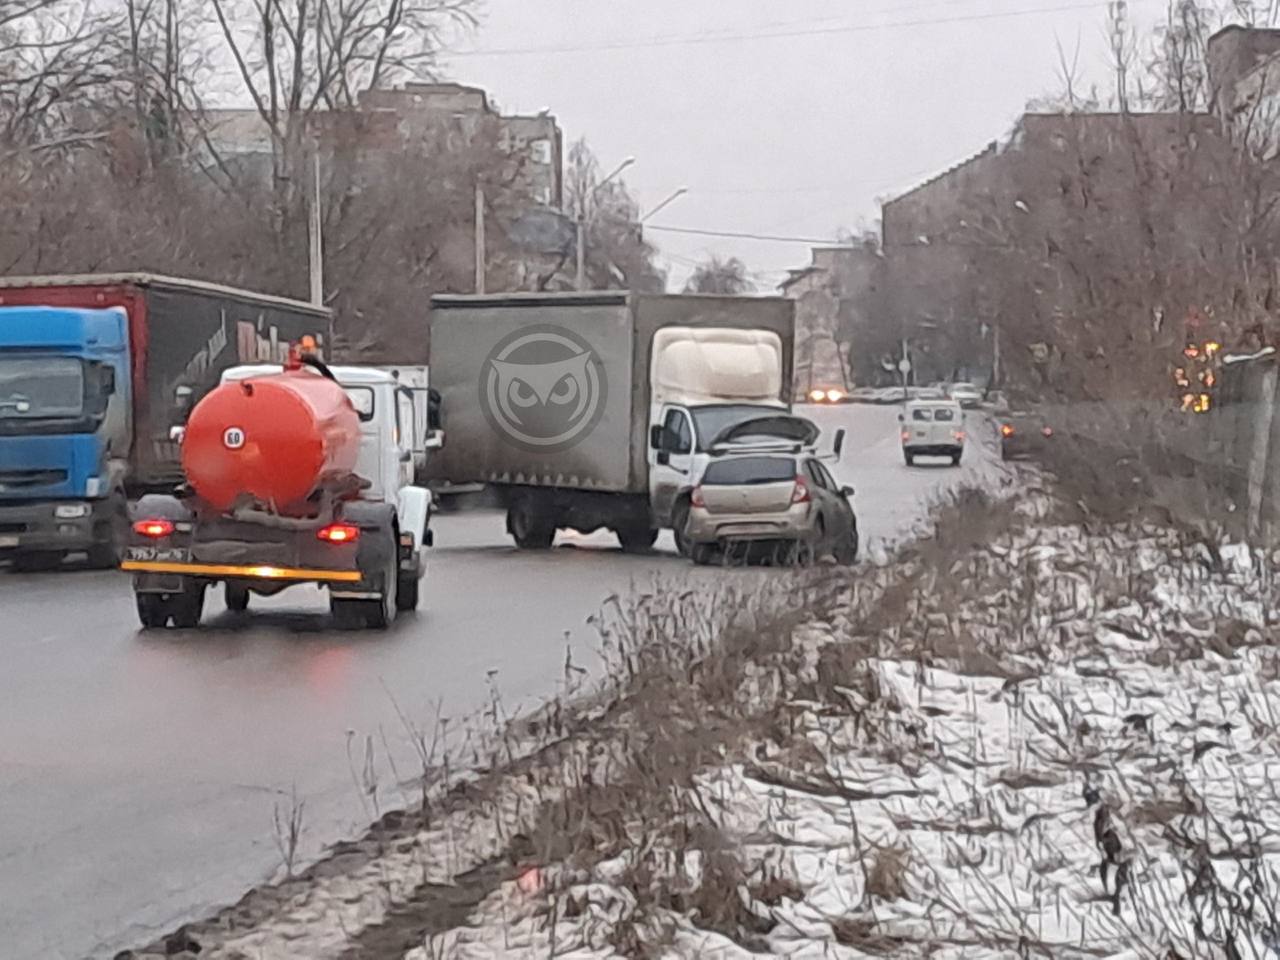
(253, 571)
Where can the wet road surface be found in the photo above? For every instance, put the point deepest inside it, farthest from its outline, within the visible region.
(139, 772)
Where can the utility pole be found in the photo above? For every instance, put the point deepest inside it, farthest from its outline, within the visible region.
(580, 282)
(995, 354)
(316, 245)
(480, 254)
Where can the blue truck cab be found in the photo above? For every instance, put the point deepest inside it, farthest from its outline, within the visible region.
(65, 432)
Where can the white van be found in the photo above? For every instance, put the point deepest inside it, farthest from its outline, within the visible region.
(932, 428)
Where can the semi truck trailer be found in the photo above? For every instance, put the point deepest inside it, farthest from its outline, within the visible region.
(599, 410)
(94, 373)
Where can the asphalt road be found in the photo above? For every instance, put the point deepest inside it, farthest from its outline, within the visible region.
(139, 772)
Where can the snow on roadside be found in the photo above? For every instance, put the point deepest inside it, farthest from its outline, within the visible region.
(1051, 700)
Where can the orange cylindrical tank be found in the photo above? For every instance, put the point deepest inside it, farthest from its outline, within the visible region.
(276, 438)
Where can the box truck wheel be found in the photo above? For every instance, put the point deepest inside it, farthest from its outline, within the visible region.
(529, 529)
(679, 524)
(636, 537)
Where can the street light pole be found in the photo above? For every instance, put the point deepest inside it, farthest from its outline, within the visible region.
(679, 193)
(581, 279)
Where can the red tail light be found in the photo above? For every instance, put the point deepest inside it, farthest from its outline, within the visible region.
(696, 499)
(1047, 431)
(959, 435)
(800, 492)
(1006, 430)
(339, 533)
(906, 435)
(153, 528)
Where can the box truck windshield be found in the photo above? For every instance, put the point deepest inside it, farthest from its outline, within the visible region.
(711, 420)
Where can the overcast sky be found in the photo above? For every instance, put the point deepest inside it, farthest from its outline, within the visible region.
(781, 118)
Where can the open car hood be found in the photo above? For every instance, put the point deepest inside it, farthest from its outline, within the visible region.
(778, 426)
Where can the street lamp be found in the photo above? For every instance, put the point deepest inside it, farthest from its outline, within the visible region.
(679, 193)
(581, 283)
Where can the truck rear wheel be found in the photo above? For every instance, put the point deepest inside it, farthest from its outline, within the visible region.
(530, 530)
(636, 538)
(407, 594)
(153, 611)
(187, 607)
(237, 597)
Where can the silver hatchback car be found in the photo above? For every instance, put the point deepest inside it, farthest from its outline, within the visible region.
(787, 503)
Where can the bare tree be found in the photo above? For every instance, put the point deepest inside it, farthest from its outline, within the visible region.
(727, 276)
(617, 255)
(298, 57)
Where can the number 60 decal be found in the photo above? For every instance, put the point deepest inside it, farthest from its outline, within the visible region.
(233, 438)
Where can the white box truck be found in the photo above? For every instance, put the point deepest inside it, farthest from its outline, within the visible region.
(598, 410)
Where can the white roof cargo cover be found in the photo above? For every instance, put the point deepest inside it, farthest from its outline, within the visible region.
(693, 365)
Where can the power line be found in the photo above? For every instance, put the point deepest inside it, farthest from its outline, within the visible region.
(700, 39)
(827, 241)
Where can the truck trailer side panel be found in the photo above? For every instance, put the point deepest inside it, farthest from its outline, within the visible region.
(536, 390)
(192, 337)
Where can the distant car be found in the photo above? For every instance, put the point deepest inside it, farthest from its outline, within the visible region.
(966, 394)
(926, 393)
(1024, 435)
(786, 502)
(828, 395)
(864, 395)
(932, 428)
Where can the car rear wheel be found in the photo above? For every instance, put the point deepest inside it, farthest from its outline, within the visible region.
(910, 458)
(955, 459)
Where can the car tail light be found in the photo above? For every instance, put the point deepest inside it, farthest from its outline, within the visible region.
(696, 498)
(1006, 430)
(906, 435)
(1047, 431)
(155, 528)
(339, 533)
(959, 435)
(800, 492)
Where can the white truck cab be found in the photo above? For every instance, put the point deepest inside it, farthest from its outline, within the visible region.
(704, 381)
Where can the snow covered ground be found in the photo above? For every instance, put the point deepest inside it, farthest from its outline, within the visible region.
(1067, 701)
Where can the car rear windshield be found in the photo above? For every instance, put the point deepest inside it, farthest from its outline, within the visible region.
(745, 470)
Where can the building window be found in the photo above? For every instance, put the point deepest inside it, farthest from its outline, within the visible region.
(540, 150)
